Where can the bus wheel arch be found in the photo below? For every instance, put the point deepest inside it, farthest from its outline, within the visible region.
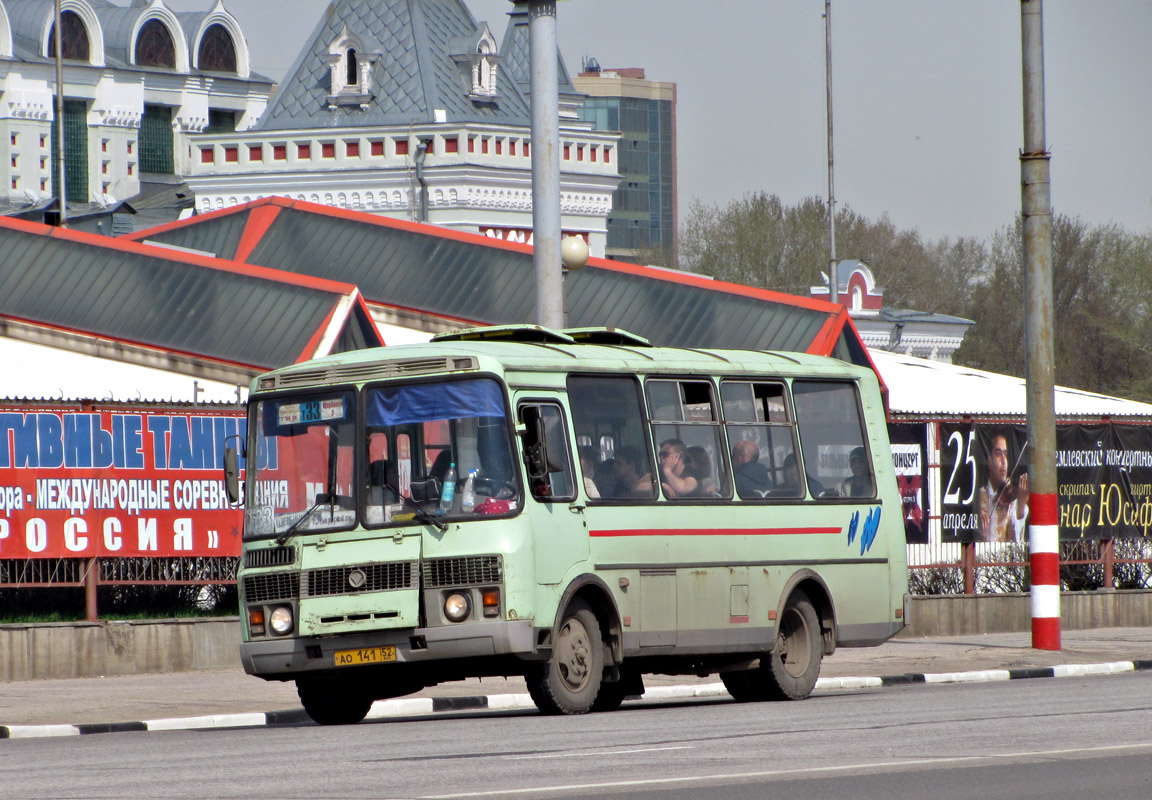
(813, 586)
(593, 592)
(568, 681)
(584, 641)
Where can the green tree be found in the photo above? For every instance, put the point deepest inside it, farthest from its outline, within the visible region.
(758, 241)
(1102, 281)
(1100, 308)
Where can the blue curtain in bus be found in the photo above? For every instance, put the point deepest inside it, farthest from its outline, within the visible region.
(425, 402)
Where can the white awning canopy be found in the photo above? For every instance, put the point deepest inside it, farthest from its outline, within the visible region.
(917, 386)
(36, 372)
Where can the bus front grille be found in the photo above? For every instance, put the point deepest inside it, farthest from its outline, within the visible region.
(270, 557)
(361, 578)
(463, 571)
(271, 586)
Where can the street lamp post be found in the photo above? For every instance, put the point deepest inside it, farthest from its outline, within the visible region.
(544, 89)
(833, 277)
(1036, 211)
(61, 191)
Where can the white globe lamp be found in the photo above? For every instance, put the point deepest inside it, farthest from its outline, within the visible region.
(573, 252)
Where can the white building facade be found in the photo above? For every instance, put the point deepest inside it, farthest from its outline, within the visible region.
(408, 108)
(138, 80)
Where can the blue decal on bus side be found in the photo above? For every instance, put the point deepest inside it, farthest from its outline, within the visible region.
(868, 535)
(871, 526)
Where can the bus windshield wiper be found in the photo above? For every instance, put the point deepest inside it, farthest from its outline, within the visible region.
(420, 513)
(327, 497)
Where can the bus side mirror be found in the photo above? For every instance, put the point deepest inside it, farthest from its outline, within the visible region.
(231, 475)
(535, 446)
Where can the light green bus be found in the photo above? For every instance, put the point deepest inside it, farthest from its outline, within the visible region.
(576, 507)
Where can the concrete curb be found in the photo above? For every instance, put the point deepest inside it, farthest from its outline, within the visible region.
(423, 706)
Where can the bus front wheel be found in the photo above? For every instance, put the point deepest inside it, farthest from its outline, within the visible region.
(789, 671)
(569, 681)
(332, 702)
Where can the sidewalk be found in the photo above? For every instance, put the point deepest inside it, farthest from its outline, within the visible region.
(105, 701)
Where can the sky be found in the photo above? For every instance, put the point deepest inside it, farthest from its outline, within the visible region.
(927, 98)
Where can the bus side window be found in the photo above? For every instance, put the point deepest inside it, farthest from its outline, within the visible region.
(686, 424)
(833, 439)
(608, 418)
(548, 461)
(761, 439)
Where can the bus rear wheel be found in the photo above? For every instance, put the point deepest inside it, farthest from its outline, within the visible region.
(570, 680)
(789, 671)
(332, 702)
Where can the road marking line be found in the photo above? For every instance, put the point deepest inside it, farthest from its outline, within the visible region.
(871, 766)
(598, 753)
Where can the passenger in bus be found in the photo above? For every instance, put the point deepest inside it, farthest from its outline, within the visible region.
(588, 461)
(789, 485)
(698, 465)
(752, 480)
(674, 477)
(859, 484)
(629, 482)
(605, 477)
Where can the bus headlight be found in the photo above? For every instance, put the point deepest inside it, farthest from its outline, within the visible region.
(457, 606)
(281, 620)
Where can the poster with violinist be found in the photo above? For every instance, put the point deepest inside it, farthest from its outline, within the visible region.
(984, 471)
(1103, 477)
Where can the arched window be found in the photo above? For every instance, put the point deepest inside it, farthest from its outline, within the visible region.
(76, 46)
(353, 72)
(154, 46)
(217, 50)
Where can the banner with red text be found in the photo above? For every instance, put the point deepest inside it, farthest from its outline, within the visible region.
(133, 483)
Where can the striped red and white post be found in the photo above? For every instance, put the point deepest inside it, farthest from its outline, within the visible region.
(1044, 555)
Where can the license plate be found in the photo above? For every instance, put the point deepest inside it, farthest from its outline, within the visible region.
(367, 655)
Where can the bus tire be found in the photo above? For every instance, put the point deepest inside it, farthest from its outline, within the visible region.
(330, 702)
(610, 697)
(789, 671)
(570, 680)
(612, 693)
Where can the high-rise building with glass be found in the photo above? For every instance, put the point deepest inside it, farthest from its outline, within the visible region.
(643, 222)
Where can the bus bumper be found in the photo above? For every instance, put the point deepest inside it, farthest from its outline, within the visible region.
(285, 657)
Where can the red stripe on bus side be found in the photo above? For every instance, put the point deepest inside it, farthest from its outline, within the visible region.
(715, 532)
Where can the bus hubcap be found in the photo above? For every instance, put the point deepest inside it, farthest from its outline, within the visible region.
(573, 654)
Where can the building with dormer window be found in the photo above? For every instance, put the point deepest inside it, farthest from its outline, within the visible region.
(922, 334)
(138, 79)
(409, 109)
(477, 55)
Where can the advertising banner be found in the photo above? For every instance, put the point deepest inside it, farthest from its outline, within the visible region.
(909, 446)
(94, 484)
(1103, 476)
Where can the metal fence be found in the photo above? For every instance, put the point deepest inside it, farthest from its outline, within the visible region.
(92, 573)
(991, 567)
(933, 569)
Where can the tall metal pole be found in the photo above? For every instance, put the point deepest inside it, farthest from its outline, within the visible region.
(545, 163)
(61, 190)
(1043, 526)
(833, 281)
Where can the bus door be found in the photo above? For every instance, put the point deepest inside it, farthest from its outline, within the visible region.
(560, 531)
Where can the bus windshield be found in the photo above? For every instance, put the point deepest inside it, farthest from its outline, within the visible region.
(304, 466)
(424, 442)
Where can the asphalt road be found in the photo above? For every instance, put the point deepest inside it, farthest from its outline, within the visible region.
(1065, 738)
